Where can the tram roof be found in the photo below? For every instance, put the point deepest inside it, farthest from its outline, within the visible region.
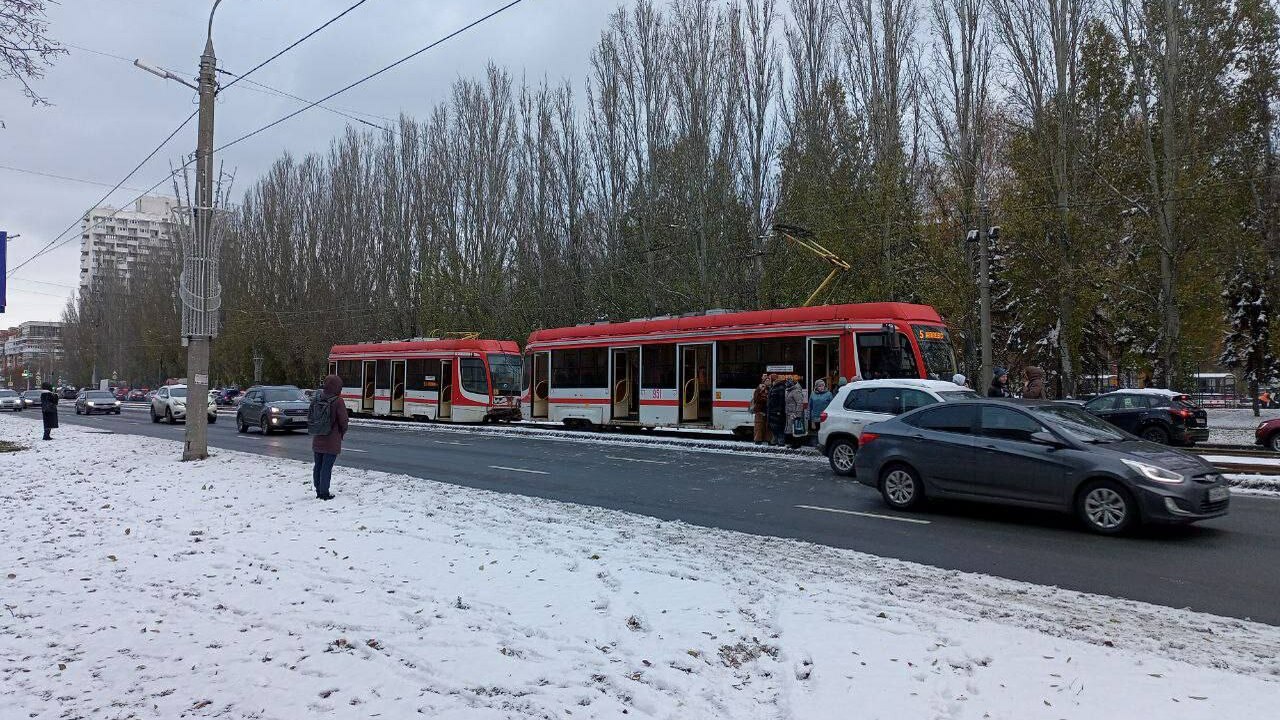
(858, 312)
(439, 345)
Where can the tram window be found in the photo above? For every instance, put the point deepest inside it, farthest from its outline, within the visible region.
(474, 378)
(527, 374)
(349, 371)
(580, 368)
(739, 364)
(877, 362)
(659, 362)
(416, 375)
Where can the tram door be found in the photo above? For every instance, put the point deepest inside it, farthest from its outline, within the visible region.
(824, 361)
(366, 386)
(695, 383)
(541, 384)
(445, 409)
(626, 389)
(397, 386)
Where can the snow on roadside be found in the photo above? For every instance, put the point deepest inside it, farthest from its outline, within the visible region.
(136, 585)
(1268, 484)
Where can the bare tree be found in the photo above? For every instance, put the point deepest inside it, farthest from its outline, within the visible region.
(26, 49)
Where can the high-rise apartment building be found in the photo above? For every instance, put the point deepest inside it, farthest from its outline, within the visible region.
(125, 242)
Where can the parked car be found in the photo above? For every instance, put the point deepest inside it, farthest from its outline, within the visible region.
(1268, 434)
(10, 400)
(170, 403)
(89, 402)
(868, 401)
(1159, 416)
(1040, 454)
(31, 398)
(137, 396)
(271, 408)
(67, 392)
(226, 396)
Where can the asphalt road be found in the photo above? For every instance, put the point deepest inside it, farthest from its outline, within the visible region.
(1228, 566)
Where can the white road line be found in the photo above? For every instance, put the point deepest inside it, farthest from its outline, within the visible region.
(523, 470)
(639, 460)
(863, 514)
(449, 442)
(354, 450)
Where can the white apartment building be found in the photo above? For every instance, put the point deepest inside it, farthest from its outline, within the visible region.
(125, 241)
(35, 347)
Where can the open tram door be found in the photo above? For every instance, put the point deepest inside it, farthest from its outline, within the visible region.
(626, 384)
(445, 408)
(397, 386)
(367, 386)
(824, 361)
(541, 389)
(695, 383)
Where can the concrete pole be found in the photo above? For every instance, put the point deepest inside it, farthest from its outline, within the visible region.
(197, 440)
(984, 298)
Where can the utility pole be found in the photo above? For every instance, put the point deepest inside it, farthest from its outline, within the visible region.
(984, 295)
(196, 276)
(257, 366)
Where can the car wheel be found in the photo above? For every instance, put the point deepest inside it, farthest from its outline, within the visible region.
(1106, 507)
(154, 417)
(841, 453)
(168, 416)
(1273, 442)
(901, 488)
(241, 426)
(77, 411)
(213, 420)
(265, 425)
(1155, 434)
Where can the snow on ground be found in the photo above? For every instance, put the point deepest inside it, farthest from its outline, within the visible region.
(1235, 426)
(137, 586)
(1255, 484)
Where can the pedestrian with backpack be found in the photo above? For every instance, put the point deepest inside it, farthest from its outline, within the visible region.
(327, 423)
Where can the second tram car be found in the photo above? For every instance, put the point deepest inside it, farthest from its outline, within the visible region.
(700, 370)
(448, 380)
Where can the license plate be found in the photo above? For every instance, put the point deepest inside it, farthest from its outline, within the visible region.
(1219, 494)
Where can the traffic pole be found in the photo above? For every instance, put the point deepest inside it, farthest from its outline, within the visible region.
(984, 297)
(197, 437)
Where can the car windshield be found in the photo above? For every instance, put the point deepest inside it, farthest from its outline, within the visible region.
(504, 373)
(282, 395)
(8, 393)
(935, 348)
(1078, 423)
(99, 395)
(954, 395)
(177, 392)
(32, 393)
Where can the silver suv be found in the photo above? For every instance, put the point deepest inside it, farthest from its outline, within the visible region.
(868, 401)
(170, 404)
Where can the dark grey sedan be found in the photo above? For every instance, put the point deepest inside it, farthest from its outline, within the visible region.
(1037, 454)
(272, 408)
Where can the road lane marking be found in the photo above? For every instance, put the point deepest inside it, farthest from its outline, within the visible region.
(639, 460)
(354, 450)
(449, 442)
(523, 470)
(863, 514)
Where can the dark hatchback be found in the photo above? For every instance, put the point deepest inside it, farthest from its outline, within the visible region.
(1167, 418)
(1037, 454)
(271, 408)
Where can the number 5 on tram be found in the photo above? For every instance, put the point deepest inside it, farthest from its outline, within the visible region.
(701, 370)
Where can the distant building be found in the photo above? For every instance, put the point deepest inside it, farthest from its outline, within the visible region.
(125, 242)
(34, 347)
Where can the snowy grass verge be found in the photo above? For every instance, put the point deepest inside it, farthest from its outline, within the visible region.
(1269, 484)
(134, 584)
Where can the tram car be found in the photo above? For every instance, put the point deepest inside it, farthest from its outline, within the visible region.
(445, 380)
(699, 370)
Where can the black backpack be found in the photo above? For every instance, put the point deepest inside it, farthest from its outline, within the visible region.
(320, 414)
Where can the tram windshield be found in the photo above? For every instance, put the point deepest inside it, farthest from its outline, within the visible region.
(935, 348)
(504, 373)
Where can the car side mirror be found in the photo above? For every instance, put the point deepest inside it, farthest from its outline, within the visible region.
(1047, 438)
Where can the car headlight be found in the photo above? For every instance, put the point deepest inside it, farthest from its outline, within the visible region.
(1262, 424)
(117, 402)
(276, 411)
(1154, 472)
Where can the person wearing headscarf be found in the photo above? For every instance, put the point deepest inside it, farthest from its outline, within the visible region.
(1034, 388)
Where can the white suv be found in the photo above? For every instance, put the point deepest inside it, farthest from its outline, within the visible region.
(170, 403)
(860, 403)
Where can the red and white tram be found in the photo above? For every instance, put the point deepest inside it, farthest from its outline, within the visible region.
(450, 380)
(700, 370)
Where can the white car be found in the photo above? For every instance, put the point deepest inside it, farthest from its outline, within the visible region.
(861, 403)
(170, 404)
(10, 400)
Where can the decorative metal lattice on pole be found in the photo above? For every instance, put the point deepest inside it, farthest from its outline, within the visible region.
(200, 232)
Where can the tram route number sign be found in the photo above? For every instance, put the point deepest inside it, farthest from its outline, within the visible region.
(780, 368)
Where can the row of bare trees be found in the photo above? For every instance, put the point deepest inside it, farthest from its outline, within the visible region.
(1127, 148)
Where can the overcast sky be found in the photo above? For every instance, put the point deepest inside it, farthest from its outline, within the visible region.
(107, 115)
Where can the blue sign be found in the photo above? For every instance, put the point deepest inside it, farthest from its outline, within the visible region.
(4, 267)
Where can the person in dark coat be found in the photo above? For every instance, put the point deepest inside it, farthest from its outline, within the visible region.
(999, 383)
(776, 410)
(48, 408)
(327, 447)
(1035, 388)
(759, 404)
